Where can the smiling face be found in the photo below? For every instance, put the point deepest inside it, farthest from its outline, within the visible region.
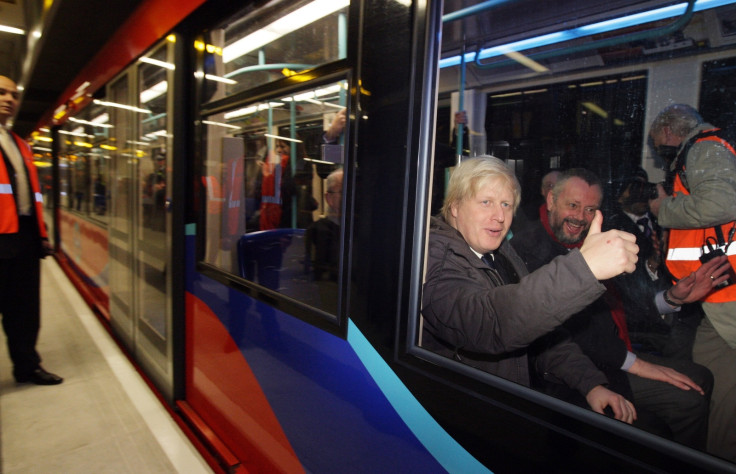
(484, 219)
(8, 99)
(572, 211)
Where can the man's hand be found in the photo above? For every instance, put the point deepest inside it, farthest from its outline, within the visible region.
(700, 282)
(600, 397)
(611, 253)
(48, 249)
(651, 371)
(337, 126)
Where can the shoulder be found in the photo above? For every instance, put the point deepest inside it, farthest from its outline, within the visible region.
(529, 237)
(447, 248)
(508, 251)
(536, 247)
(708, 145)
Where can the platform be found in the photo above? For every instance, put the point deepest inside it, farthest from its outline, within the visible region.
(103, 418)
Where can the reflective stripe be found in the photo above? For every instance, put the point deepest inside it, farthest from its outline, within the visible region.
(39, 197)
(6, 189)
(688, 254)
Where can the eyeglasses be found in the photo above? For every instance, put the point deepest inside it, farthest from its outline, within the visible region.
(334, 192)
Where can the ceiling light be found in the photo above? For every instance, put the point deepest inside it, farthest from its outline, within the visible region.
(293, 21)
(156, 62)
(282, 138)
(12, 30)
(220, 124)
(219, 79)
(251, 110)
(155, 91)
(122, 106)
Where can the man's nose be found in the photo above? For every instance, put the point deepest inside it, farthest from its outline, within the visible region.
(497, 213)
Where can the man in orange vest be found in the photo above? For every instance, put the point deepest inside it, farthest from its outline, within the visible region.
(701, 215)
(23, 241)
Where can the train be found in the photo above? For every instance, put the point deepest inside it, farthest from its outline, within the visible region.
(190, 178)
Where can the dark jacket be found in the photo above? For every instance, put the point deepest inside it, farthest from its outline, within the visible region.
(671, 336)
(470, 318)
(593, 328)
(637, 289)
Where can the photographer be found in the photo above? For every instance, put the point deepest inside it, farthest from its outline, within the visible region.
(703, 202)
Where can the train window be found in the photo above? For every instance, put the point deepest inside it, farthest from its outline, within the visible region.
(151, 149)
(540, 97)
(85, 163)
(592, 128)
(273, 192)
(290, 37)
(718, 93)
(43, 161)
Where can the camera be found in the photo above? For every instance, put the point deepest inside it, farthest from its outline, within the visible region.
(713, 253)
(641, 191)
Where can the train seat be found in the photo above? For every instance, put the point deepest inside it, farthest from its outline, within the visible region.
(273, 258)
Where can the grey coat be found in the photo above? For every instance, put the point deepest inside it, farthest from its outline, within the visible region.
(711, 178)
(470, 318)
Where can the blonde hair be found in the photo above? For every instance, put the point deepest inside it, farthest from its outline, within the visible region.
(471, 174)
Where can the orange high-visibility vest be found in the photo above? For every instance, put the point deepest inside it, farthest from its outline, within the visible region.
(214, 194)
(686, 245)
(8, 208)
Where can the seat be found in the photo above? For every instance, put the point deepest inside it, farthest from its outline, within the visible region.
(261, 255)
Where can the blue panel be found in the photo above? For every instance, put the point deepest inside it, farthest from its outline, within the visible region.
(334, 414)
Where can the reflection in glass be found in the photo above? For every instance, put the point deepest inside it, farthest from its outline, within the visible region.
(249, 51)
(151, 152)
(266, 183)
(85, 163)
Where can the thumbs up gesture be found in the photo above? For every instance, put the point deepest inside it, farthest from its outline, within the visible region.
(610, 253)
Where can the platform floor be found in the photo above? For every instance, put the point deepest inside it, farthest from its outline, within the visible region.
(102, 419)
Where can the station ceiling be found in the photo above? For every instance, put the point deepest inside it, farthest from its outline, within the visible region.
(73, 32)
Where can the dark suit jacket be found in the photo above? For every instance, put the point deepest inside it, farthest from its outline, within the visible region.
(637, 289)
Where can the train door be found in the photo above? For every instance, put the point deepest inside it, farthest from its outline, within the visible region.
(140, 279)
(121, 217)
(152, 236)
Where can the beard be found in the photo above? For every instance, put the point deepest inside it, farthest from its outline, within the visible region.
(559, 230)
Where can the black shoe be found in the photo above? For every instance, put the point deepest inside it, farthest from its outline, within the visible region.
(39, 377)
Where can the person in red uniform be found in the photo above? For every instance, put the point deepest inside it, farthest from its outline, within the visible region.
(276, 189)
(23, 241)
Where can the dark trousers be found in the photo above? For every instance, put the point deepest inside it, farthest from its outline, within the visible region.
(684, 411)
(20, 305)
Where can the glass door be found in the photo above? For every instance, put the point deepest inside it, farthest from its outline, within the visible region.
(121, 222)
(152, 233)
(140, 224)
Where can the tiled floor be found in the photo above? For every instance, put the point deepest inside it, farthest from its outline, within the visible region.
(103, 418)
